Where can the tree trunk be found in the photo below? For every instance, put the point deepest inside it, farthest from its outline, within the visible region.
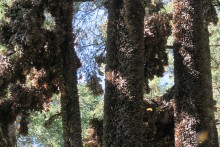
(12, 134)
(69, 93)
(4, 137)
(213, 129)
(123, 120)
(194, 104)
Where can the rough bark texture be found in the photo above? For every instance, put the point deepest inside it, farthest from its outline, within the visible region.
(69, 94)
(94, 135)
(213, 129)
(210, 15)
(124, 75)
(12, 134)
(193, 110)
(4, 137)
(158, 125)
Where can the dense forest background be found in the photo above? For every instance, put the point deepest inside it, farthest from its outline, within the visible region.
(89, 25)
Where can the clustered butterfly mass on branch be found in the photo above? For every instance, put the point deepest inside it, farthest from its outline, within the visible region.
(30, 70)
(31, 74)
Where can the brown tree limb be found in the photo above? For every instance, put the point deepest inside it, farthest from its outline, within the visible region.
(48, 123)
(218, 2)
(84, 0)
(172, 47)
(23, 99)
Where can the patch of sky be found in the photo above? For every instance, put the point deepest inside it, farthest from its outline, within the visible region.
(89, 22)
(89, 29)
(166, 1)
(29, 142)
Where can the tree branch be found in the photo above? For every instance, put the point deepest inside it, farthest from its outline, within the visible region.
(49, 122)
(83, 0)
(172, 47)
(218, 2)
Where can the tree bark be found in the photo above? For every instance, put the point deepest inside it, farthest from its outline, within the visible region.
(12, 134)
(69, 93)
(123, 120)
(4, 137)
(213, 134)
(194, 104)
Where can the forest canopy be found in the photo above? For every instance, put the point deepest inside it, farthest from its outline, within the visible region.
(95, 73)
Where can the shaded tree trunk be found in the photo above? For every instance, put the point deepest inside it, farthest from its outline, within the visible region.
(158, 124)
(7, 135)
(69, 93)
(4, 137)
(194, 104)
(213, 133)
(12, 134)
(123, 120)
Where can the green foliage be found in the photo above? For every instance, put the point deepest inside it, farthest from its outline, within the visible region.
(91, 107)
(49, 22)
(215, 63)
(3, 6)
(159, 85)
(168, 7)
(51, 135)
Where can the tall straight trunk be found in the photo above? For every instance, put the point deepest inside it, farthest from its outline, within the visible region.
(123, 120)
(194, 104)
(4, 136)
(69, 92)
(12, 134)
(7, 135)
(213, 134)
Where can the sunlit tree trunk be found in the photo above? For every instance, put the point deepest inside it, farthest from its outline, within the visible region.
(123, 120)
(69, 92)
(194, 104)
